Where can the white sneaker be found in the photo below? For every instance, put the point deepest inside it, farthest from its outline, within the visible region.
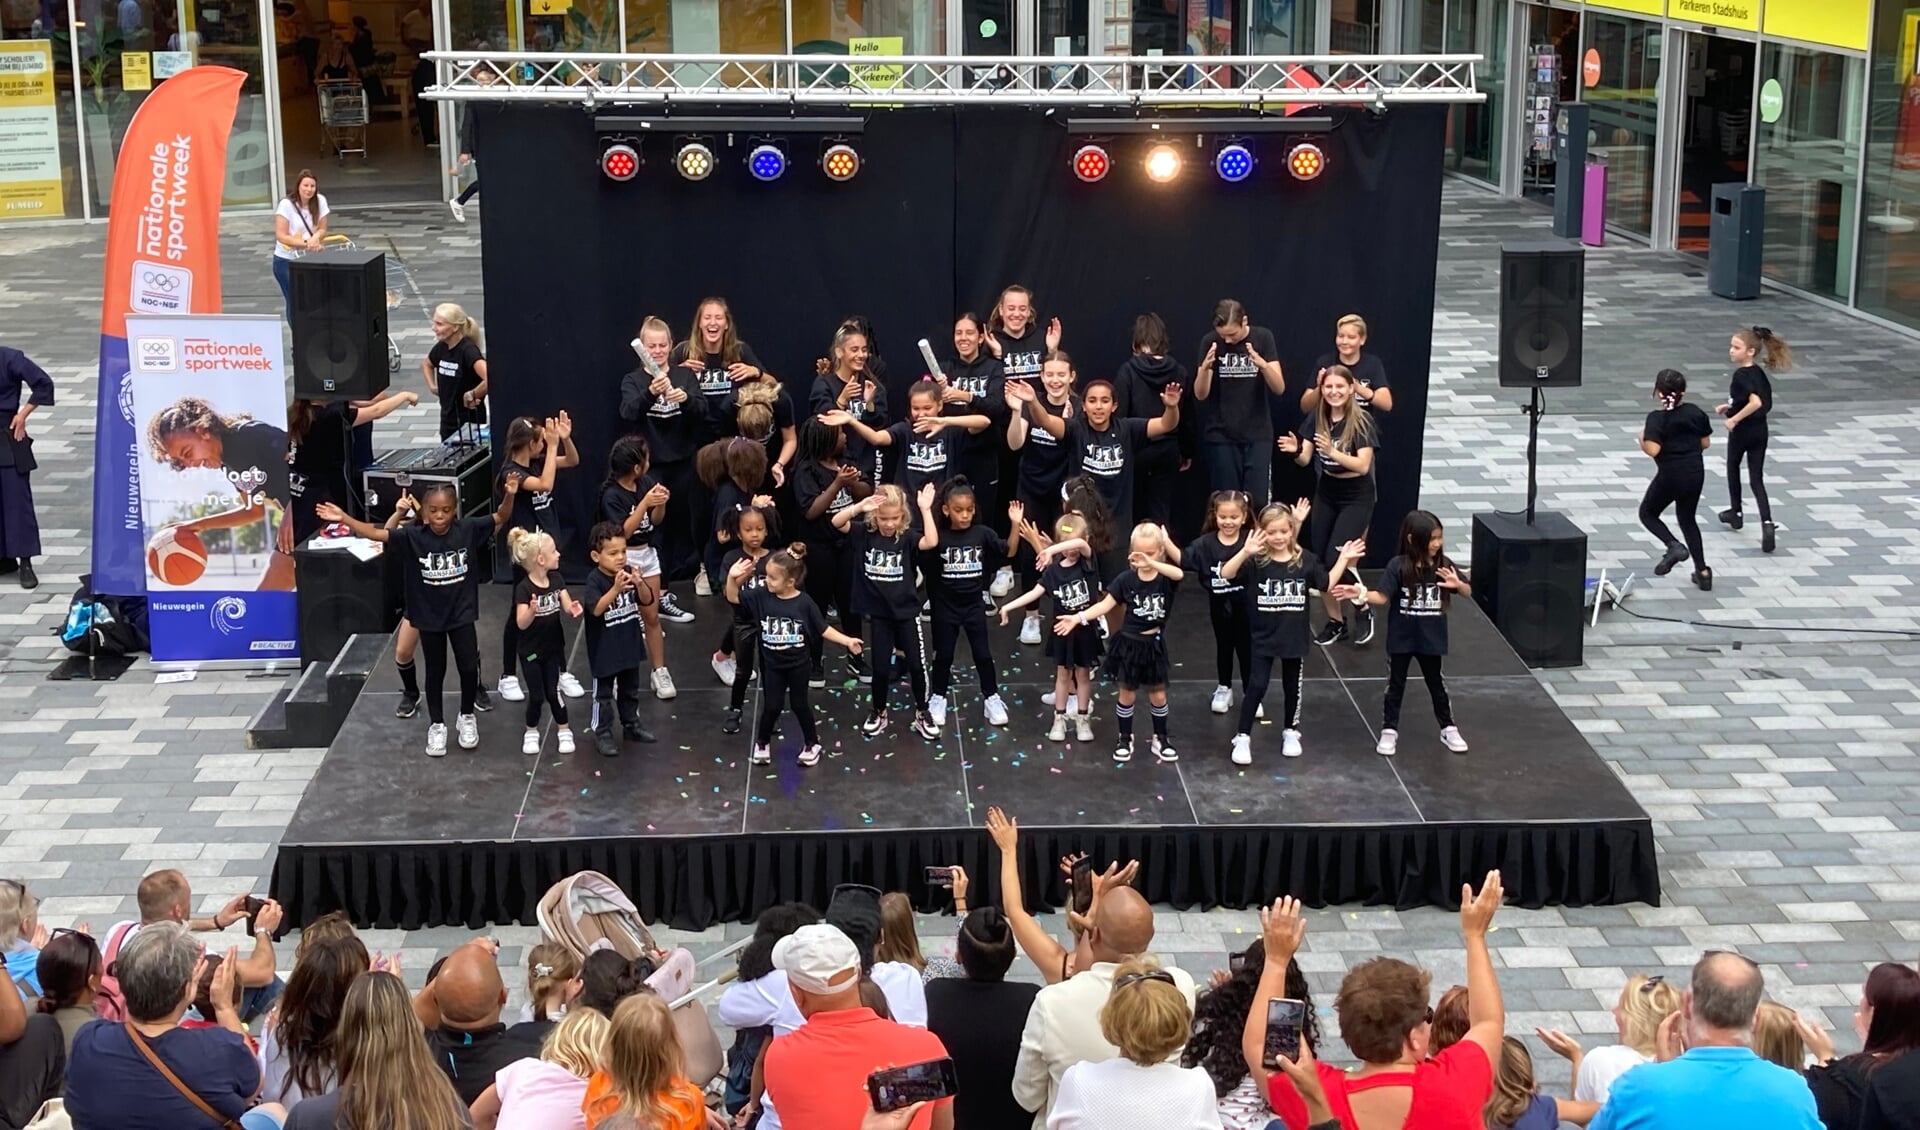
(437, 740)
(565, 738)
(570, 686)
(1242, 749)
(1260, 711)
(1289, 743)
(701, 585)
(937, 706)
(663, 684)
(458, 209)
(762, 755)
(1002, 582)
(530, 742)
(468, 731)
(1222, 699)
(1030, 629)
(996, 711)
(1083, 727)
(1450, 737)
(727, 667)
(1047, 699)
(1059, 731)
(1389, 742)
(1163, 751)
(509, 688)
(810, 756)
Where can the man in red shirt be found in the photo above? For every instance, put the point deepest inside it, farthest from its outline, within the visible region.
(817, 1074)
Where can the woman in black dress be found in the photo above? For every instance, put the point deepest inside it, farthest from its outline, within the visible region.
(1676, 436)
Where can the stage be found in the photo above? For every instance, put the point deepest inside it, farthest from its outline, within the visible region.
(697, 835)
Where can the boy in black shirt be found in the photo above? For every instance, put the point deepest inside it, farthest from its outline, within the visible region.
(615, 646)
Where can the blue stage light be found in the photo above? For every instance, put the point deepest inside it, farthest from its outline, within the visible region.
(767, 162)
(1234, 162)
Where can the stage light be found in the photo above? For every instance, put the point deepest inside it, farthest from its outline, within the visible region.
(695, 161)
(840, 161)
(1306, 161)
(621, 161)
(767, 162)
(1090, 163)
(1234, 162)
(1163, 163)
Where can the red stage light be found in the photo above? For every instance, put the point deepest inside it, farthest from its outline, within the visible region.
(620, 162)
(1306, 161)
(1090, 163)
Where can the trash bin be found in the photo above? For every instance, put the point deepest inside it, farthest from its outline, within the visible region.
(1734, 243)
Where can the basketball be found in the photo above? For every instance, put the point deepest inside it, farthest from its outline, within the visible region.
(176, 557)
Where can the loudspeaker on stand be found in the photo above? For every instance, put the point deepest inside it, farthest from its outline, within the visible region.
(339, 316)
(1542, 291)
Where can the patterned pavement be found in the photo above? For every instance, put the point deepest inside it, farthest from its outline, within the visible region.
(1769, 727)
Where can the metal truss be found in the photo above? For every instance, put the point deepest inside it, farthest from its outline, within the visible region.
(922, 80)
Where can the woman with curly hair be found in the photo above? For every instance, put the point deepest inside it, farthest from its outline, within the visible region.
(1219, 1018)
(759, 1007)
(190, 433)
(297, 1051)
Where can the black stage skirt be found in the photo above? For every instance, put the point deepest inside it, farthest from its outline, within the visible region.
(1079, 648)
(1136, 661)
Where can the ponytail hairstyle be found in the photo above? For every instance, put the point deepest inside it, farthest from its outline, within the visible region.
(1279, 513)
(1070, 526)
(957, 487)
(922, 388)
(848, 389)
(67, 967)
(1769, 348)
(454, 315)
(1081, 495)
(550, 966)
(524, 545)
(729, 338)
(730, 523)
(1416, 537)
(753, 407)
(1356, 425)
(1228, 312)
(791, 563)
(1150, 335)
(1221, 498)
(522, 434)
(891, 494)
(1670, 385)
(188, 414)
(653, 324)
(1513, 1086)
(629, 456)
(432, 490)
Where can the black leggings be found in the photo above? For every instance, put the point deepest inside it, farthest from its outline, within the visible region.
(830, 567)
(1677, 485)
(948, 626)
(1342, 510)
(784, 686)
(1748, 441)
(1232, 636)
(746, 644)
(466, 660)
(542, 676)
(680, 540)
(1397, 665)
(1291, 673)
(890, 634)
(510, 631)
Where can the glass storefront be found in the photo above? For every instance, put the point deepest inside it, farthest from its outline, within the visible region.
(1465, 27)
(1624, 116)
(1890, 210)
(1807, 157)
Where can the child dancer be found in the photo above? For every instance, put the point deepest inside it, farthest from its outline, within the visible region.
(925, 447)
(1137, 657)
(1416, 586)
(788, 621)
(747, 533)
(1069, 575)
(962, 557)
(1221, 537)
(550, 445)
(539, 601)
(615, 591)
(1676, 435)
(882, 551)
(1749, 403)
(632, 497)
(826, 483)
(1338, 439)
(442, 590)
(1278, 575)
(1043, 464)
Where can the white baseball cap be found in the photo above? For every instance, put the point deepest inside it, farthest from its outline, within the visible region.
(816, 958)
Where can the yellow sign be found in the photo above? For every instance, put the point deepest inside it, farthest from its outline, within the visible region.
(550, 7)
(136, 71)
(881, 77)
(30, 173)
(1837, 23)
(1642, 7)
(1742, 15)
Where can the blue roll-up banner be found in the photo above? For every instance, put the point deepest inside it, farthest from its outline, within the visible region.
(210, 413)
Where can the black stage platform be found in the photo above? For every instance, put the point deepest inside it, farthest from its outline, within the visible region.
(696, 835)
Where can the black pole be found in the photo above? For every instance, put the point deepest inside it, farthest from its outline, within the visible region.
(1533, 449)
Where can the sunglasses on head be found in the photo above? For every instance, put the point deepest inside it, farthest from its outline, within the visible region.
(1135, 978)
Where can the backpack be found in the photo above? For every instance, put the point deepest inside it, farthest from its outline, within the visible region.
(108, 1004)
(104, 625)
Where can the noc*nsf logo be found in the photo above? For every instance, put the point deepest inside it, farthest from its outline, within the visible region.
(226, 614)
(157, 288)
(155, 355)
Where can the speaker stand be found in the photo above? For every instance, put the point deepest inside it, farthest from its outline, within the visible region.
(1536, 407)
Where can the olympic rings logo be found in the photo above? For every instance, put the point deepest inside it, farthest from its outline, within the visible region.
(161, 281)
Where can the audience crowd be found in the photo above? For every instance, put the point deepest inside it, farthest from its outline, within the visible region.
(155, 1026)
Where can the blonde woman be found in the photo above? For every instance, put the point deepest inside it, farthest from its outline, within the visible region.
(1338, 439)
(456, 369)
(640, 1076)
(1349, 336)
(547, 1093)
(1644, 1005)
(388, 1079)
(1147, 1018)
(1777, 1038)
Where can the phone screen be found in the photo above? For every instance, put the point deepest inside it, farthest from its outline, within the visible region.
(1082, 884)
(1236, 962)
(895, 1087)
(939, 876)
(1285, 1018)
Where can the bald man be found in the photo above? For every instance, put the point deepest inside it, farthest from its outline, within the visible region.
(1063, 1026)
(460, 1009)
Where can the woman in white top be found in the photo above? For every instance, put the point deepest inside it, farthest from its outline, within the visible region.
(299, 226)
(1147, 1018)
(1644, 1005)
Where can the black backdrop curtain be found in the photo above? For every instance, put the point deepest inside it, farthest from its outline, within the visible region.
(950, 205)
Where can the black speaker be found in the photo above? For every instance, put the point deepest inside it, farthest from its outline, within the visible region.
(1532, 580)
(1542, 289)
(339, 325)
(340, 595)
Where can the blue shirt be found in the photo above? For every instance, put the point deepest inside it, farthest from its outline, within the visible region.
(111, 1086)
(23, 967)
(1709, 1089)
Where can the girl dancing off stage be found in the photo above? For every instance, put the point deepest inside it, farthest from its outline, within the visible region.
(1676, 436)
(1749, 403)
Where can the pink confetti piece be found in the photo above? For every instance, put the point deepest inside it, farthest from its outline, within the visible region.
(1053, 769)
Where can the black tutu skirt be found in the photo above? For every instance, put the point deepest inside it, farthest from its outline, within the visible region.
(1080, 648)
(1136, 661)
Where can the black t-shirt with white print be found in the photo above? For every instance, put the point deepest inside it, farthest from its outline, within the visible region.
(1108, 456)
(1203, 561)
(614, 638)
(754, 582)
(455, 374)
(442, 571)
(958, 568)
(918, 460)
(1075, 587)
(808, 483)
(546, 638)
(1235, 409)
(986, 378)
(532, 509)
(788, 626)
(1277, 604)
(714, 382)
(1749, 381)
(318, 467)
(883, 577)
(1322, 462)
(1148, 602)
(1416, 610)
(254, 460)
(1021, 357)
(1043, 459)
(617, 502)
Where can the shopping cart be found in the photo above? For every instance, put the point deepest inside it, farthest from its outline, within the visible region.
(399, 283)
(343, 119)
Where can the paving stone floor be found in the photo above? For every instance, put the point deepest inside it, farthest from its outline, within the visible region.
(1769, 727)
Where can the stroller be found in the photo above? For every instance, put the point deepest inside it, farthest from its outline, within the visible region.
(587, 911)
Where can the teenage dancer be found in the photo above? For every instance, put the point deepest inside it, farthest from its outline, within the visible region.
(1239, 368)
(540, 603)
(615, 646)
(1416, 587)
(761, 410)
(1015, 336)
(1221, 538)
(882, 551)
(1676, 436)
(1137, 653)
(846, 385)
(1067, 574)
(925, 447)
(1136, 389)
(550, 445)
(1338, 439)
(665, 401)
(826, 483)
(1043, 466)
(1749, 403)
(974, 383)
(788, 621)
(959, 558)
(717, 357)
(637, 502)
(1370, 376)
(1278, 575)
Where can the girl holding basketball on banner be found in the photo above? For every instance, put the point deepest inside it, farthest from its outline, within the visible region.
(252, 455)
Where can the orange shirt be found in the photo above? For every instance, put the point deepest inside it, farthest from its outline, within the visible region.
(685, 1108)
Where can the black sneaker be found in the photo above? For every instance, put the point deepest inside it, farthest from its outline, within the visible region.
(1362, 630)
(1332, 632)
(1732, 519)
(670, 609)
(1766, 537)
(1675, 554)
(857, 664)
(635, 732)
(408, 707)
(817, 678)
(603, 738)
(732, 724)
(482, 701)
